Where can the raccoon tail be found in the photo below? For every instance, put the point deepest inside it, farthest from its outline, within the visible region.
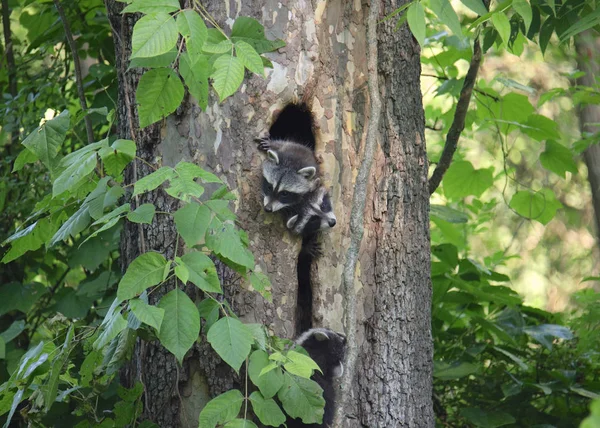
(310, 251)
(295, 123)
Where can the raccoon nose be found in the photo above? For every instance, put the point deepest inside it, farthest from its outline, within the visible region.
(268, 208)
(331, 222)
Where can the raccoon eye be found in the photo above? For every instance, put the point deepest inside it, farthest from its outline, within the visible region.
(284, 194)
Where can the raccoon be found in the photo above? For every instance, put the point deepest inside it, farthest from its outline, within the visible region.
(328, 349)
(290, 170)
(314, 214)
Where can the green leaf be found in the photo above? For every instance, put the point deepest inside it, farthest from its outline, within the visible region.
(148, 314)
(231, 340)
(111, 326)
(267, 410)
(26, 156)
(221, 409)
(21, 297)
(444, 11)
(513, 357)
(159, 93)
(13, 330)
(51, 388)
(252, 32)
(209, 310)
(192, 221)
(483, 419)
(190, 171)
(116, 213)
(153, 180)
(477, 6)
(502, 25)
(195, 72)
(227, 76)
(45, 141)
(181, 271)
(541, 128)
(15, 403)
(192, 27)
(33, 238)
(445, 371)
(558, 159)
(587, 21)
(142, 214)
(181, 325)
(145, 271)
(226, 241)
(72, 176)
(152, 6)
(302, 398)
(202, 271)
(448, 214)
(523, 8)
(300, 364)
(249, 57)
(540, 206)
(163, 60)
(74, 224)
(270, 382)
(416, 22)
(261, 284)
(184, 189)
(462, 180)
(153, 35)
(543, 333)
(240, 423)
(117, 156)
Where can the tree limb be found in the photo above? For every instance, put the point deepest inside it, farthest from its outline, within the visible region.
(458, 123)
(10, 61)
(78, 75)
(358, 211)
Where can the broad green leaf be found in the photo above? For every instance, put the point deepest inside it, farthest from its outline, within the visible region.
(148, 314)
(95, 199)
(190, 171)
(106, 226)
(163, 60)
(192, 221)
(541, 128)
(226, 241)
(195, 74)
(416, 22)
(545, 333)
(15, 403)
(584, 392)
(26, 156)
(513, 357)
(259, 334)
(300, 364)
(74, 224)
(33, 238)
(153, 35)
(181, 325)
(227, 76)
(13, 330)
(117, 156)
(45, 141)
(202, 271)
(145, 271)
(252, 32)
(72, 176)
(142, 214)
(261, 283)
(111, 326)
(221, 47)
(249, 57)
(21, 297)
(192, 27)
(587, 21)
(116, 213)
(462, 180)
(445, 371)
(486, 419)
(448, 214)
(231, 340)
(523, 8)
(240, 423)
(302, 398)
(540, 206)
(267, 410)
(159, 93)
(558, 159)
(502, 25)
(51, 388)
(153, 180)
(221, 409)
(209, 310)
(444, 11)
(476, 6)
(152, 6)
(184, 189)
(269, 383)
(2, 349)
(182, 272)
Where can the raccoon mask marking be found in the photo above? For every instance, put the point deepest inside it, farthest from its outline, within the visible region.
(313, 214)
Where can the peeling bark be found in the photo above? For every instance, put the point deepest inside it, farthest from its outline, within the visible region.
(324, 59)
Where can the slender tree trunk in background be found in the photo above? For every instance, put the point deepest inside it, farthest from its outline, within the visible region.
(10, 62)
(588, 51)
(324, 56)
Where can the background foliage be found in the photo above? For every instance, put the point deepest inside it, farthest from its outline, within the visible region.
(512, 214)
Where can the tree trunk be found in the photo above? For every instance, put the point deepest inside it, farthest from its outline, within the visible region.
(588, 45)
(324, 59)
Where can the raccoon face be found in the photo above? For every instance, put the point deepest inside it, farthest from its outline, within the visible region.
(313, 215)
(327, 348)
(284, 187)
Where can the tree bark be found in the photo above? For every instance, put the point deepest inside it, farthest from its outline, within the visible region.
(324, 58)
(589, 115)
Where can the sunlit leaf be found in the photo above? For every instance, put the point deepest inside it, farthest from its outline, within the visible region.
(181, 324)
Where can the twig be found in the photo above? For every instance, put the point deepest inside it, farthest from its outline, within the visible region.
(78, 75)
(10, 62)
(458, 123)
(479, 91)
(358, 210)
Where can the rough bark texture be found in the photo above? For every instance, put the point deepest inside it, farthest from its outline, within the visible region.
(588, 52)
(324, 56)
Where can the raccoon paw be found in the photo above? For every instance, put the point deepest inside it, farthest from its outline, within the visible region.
(263, 143)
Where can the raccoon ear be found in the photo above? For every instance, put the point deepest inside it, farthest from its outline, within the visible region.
(321, 336)
(272, 155)
(308, 172)
(292, 221)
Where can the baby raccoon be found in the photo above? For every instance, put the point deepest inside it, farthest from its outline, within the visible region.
(314, 214)
(328, 349)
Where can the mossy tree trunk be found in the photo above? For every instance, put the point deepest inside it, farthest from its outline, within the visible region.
(324, 57)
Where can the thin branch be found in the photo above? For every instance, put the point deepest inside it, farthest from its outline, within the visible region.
(78, 75)
(479, 91)
(10, 62)
(458, 124)
(358, 211)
